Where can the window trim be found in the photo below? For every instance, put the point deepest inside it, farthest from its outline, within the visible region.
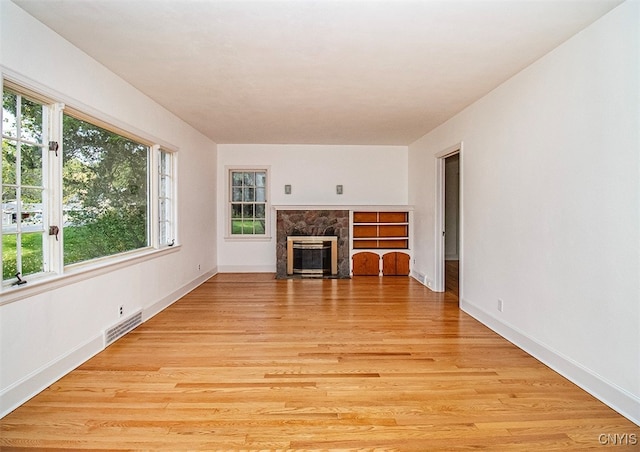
(93, 120)
(58, 274)
(228, 216)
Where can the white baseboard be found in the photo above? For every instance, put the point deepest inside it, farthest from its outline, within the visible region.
(622, 401)
(20, 392)
(174, 296)
(418, 277)
(422, 279)
(247, 269)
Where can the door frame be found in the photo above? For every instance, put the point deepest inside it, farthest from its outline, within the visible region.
(439, 283)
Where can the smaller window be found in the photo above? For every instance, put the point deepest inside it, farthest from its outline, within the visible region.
(166, 199)
(24, 198)
(248, 202)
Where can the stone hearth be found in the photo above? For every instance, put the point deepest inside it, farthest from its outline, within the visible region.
(312, 223)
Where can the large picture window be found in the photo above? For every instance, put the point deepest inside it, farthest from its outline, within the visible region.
(104, 188)
(76, 189)
(248, 202)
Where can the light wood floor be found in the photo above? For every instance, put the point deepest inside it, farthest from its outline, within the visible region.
(451, 276)
(247, 362)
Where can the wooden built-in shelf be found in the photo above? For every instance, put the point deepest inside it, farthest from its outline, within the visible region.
(381, 230)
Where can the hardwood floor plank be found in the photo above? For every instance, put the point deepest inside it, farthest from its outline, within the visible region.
(248, 362)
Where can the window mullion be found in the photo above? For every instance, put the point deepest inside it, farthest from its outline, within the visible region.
(53, 193)
(44, 186)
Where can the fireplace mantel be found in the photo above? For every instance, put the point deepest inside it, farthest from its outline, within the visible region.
(372, 207)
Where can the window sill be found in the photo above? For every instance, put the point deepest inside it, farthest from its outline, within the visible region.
(80, 272)
(248, 238)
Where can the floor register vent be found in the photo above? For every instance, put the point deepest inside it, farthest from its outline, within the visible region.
(120, 329)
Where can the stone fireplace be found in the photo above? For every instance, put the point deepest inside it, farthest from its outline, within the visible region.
(323, 227)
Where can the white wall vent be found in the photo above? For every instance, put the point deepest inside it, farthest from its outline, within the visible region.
(120, 329)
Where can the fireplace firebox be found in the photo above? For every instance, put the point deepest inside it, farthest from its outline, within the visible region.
(312, 256)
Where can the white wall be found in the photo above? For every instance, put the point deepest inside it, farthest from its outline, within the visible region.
(551, 207)
(370, 175)
(46, 335)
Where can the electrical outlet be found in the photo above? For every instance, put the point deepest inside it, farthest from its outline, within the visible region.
(121, 310)
(500, 304)
(198, 267)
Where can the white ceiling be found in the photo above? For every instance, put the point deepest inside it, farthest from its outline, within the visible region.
(318, 72)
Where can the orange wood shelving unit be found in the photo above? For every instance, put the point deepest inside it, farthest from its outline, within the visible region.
(373, 231)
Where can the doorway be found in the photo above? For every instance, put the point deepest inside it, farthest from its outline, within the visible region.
(452, 223)
(449, 221)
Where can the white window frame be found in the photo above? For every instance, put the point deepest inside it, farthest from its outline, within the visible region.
(229, 216)
(170, 195)
(49, 134)
(56, 274)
